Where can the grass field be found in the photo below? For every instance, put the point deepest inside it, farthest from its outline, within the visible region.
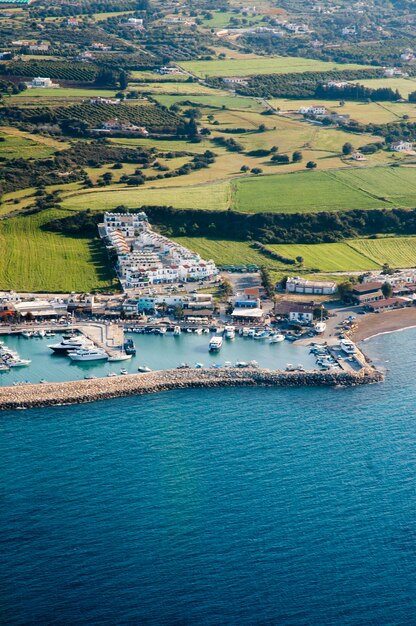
(327, 257)
(225, 252)
(214, 100)
(64, 92)
(396, 251)
(262, 65)
(19, 144)
(363, 112)
(177, 88)
(34, 260)
(404, 85)
(336, 190)
(366, 188)
(207, 197)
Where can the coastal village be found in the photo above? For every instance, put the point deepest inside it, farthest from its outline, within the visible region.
(166, 289)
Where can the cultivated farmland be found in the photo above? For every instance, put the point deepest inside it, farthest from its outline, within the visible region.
(396, 251)
(262, 65)
(327, 257)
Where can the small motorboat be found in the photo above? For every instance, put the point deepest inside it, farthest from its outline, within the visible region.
(90, 377)
(122, 356)
(276, 338)
(43, 381)
(111, 374)
(123, 371)
(199, 366)
(260, 335)
(19, 363)
(183, 366)
(143, 369)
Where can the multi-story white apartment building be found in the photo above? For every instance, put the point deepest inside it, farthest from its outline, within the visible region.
(146, 257)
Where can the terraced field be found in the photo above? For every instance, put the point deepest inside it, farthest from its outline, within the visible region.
(35, 260)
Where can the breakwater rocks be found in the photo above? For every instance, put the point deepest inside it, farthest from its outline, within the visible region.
(80, 391)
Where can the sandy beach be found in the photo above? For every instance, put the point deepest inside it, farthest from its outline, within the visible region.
(389, 321)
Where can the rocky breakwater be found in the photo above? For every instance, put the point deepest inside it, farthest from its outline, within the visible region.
(80, 391)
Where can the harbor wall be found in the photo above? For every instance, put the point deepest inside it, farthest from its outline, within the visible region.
(81, 391)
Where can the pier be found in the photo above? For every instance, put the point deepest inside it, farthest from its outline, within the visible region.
(81, 391)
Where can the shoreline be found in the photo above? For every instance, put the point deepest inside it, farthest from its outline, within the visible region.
(372, 325)
(78, 392)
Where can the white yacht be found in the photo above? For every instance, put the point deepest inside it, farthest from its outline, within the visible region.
(215, 344)
(19, 363)
(229, 332)
(277, 338)
(88, 354)
(121, 356)
(72, 343)
(348, 346)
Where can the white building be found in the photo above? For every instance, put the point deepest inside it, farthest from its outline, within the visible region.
(42, 82)
(402, 146)
(146, 257)
(134, 22)
(99, 100)
(312, 110)
(301, 285)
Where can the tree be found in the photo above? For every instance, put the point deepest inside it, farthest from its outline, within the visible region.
(297, 156)
(344, 290)
(300, 260)
(347, 148)
(262, 128)
(387, 290)
(311, 165)
(266, 281)
(282, 159)
(244, 168)
(257, 170)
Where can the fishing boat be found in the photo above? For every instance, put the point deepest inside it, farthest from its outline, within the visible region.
(229, 332)
(245, 332)
(129, 347)
(27, 334)
(143, 369)
(215, 344)
(88, 354)
(176, 331)
(198, 331)
(260, 334)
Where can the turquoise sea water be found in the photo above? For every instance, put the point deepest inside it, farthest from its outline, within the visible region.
(155, 351)
(212, 507)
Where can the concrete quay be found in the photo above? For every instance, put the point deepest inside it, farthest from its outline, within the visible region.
(81, 391)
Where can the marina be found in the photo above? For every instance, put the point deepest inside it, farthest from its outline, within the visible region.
(153, 351)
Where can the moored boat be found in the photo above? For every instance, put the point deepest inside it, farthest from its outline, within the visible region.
(215, 344)
(88, 354)
(229, 332)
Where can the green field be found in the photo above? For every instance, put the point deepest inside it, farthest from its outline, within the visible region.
(35, 260)
(225, 252)
(217, 101)
(396, 251)
(339, 190)
(16, 144)
(207, 197)
(327, 257)
(404, 85)
(65, 92)
(262, 65)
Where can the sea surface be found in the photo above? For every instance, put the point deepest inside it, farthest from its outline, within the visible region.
(216, 507)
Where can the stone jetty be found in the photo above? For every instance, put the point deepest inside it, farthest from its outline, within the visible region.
(80, 391)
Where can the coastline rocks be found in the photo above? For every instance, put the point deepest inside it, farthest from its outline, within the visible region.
(80, 391)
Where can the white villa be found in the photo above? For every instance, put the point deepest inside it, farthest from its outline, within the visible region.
(42, 82)
(402, 146)
(312, 110)
(146, 258)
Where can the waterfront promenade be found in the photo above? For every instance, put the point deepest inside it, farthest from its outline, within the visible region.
(77, 392)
